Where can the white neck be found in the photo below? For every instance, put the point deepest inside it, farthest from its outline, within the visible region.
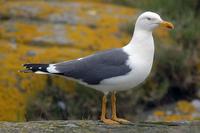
(141, 45)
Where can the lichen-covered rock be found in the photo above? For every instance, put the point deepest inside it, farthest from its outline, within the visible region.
(52, 22)
(180, 111)
(74, 126)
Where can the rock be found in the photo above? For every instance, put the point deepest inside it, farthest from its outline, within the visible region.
(64, 18)
(196, 104)
(71, 125)
(89, 126)
(50, 23)
(58, 36)
(180, 111)
(31, 53)
(61, 105)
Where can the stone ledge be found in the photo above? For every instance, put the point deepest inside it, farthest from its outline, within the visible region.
(89, 126)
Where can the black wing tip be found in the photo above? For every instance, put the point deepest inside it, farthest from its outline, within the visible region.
(27, 68)
(33, 67)
(26, 65)
(25, 71)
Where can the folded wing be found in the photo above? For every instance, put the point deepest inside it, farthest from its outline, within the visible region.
(95, 68)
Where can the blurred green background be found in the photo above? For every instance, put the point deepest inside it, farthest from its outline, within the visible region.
(50, 31)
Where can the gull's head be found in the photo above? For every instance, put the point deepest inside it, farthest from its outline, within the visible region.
(149, 21)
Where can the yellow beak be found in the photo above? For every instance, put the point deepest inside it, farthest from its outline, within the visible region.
(166, 24)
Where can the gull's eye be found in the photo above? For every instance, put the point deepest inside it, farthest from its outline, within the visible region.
(148, 18)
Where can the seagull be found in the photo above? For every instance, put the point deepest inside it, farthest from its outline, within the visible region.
(112, 70)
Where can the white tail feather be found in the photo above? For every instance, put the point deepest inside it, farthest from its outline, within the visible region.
(52, 69)
(40, 72)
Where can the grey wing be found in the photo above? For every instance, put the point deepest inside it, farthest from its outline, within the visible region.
(95, 68)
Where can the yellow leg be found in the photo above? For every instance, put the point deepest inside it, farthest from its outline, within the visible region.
(103, 113)
(114, 114)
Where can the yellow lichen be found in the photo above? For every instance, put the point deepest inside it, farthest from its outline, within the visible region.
(177, 117)
(185, 107)
(159, 113)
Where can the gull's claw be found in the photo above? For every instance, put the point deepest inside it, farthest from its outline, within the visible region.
(109, 122)
(120, 120)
